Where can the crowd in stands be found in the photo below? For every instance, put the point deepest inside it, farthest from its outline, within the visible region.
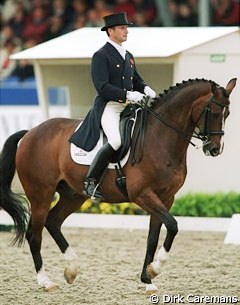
(25, 23)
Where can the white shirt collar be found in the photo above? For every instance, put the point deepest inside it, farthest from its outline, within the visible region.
(119, 48)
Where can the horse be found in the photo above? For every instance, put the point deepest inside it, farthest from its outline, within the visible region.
(41, 157)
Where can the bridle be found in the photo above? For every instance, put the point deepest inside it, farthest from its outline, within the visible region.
(204, 135)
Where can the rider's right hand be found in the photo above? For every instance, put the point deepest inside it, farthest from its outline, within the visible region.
(134, 96)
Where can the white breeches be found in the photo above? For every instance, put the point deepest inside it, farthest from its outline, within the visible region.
(110, 123)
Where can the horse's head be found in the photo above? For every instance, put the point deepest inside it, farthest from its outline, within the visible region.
(210, 120)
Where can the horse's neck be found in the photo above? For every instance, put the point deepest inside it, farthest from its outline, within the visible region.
(175, 134)
(177, 110)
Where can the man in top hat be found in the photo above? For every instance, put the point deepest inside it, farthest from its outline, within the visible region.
(116, 80)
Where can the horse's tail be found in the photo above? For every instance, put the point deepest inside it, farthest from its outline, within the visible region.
(10, 202)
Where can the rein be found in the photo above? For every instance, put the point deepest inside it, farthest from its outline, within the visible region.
(203, 135)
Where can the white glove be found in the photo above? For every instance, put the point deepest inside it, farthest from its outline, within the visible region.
(149, 92)
(134, 96)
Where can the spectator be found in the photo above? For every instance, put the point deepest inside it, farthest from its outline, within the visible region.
(185, 15)
(225, 13)
(194, 5)
(37, 25)
(56, 27)
(146, 8)
(125, 6)
(17, 22)
(7, 65)
(139, 19)
(79, 8)
(79, 23)
(6, 34)
(79, 15)
(173, 8)
(10, 8)
(93, 18)
(24, 67)
(62, 9)
(102, 8)
(23, 70)
(45, 4)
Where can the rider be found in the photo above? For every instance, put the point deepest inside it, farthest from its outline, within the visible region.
(116, 80)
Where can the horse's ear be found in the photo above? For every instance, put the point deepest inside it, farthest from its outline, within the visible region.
(231, 84)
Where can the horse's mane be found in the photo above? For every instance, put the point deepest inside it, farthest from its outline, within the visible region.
(163, 97)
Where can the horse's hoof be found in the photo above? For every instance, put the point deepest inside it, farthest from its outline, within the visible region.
(150, 272)
(52, 287)
(151, 289)
(71, 271)
(70, 275)
(69, 278)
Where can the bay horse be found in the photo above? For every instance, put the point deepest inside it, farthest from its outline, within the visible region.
(42, 159)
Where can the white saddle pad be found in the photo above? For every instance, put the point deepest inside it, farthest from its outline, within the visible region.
(83, 157)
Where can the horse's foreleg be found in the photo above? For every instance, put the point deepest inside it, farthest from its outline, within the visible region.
(159, 214)
(152, 242)
(171, 225)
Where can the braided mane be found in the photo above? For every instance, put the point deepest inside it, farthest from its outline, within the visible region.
(173, 89)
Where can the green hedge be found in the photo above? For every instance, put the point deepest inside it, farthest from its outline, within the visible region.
(211, 205)
(192, 204)
(107, 208)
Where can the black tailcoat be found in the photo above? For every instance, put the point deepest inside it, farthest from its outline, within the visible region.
(112, 77)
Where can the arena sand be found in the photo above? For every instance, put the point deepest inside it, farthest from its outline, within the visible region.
(111, 262)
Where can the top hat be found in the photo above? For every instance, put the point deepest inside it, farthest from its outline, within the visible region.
(115, 19)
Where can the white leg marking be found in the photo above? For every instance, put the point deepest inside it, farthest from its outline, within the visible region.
(70, 255)
(72, 267)
(43, 280)
(161, 259)
(162, 255)
(151, 289)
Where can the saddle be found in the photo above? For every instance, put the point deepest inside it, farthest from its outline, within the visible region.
(133, 116)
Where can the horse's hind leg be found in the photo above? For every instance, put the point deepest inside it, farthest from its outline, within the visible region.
(34, 237)
(67, 204)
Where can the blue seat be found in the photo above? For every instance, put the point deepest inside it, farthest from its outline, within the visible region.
(14, 92)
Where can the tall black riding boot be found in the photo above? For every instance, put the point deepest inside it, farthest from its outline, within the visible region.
(96, 170)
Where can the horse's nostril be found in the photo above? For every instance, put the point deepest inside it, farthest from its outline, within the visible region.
(214, 152)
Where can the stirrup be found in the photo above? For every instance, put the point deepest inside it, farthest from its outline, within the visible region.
(91, 190)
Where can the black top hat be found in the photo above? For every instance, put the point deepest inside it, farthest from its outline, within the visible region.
(115, 19)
